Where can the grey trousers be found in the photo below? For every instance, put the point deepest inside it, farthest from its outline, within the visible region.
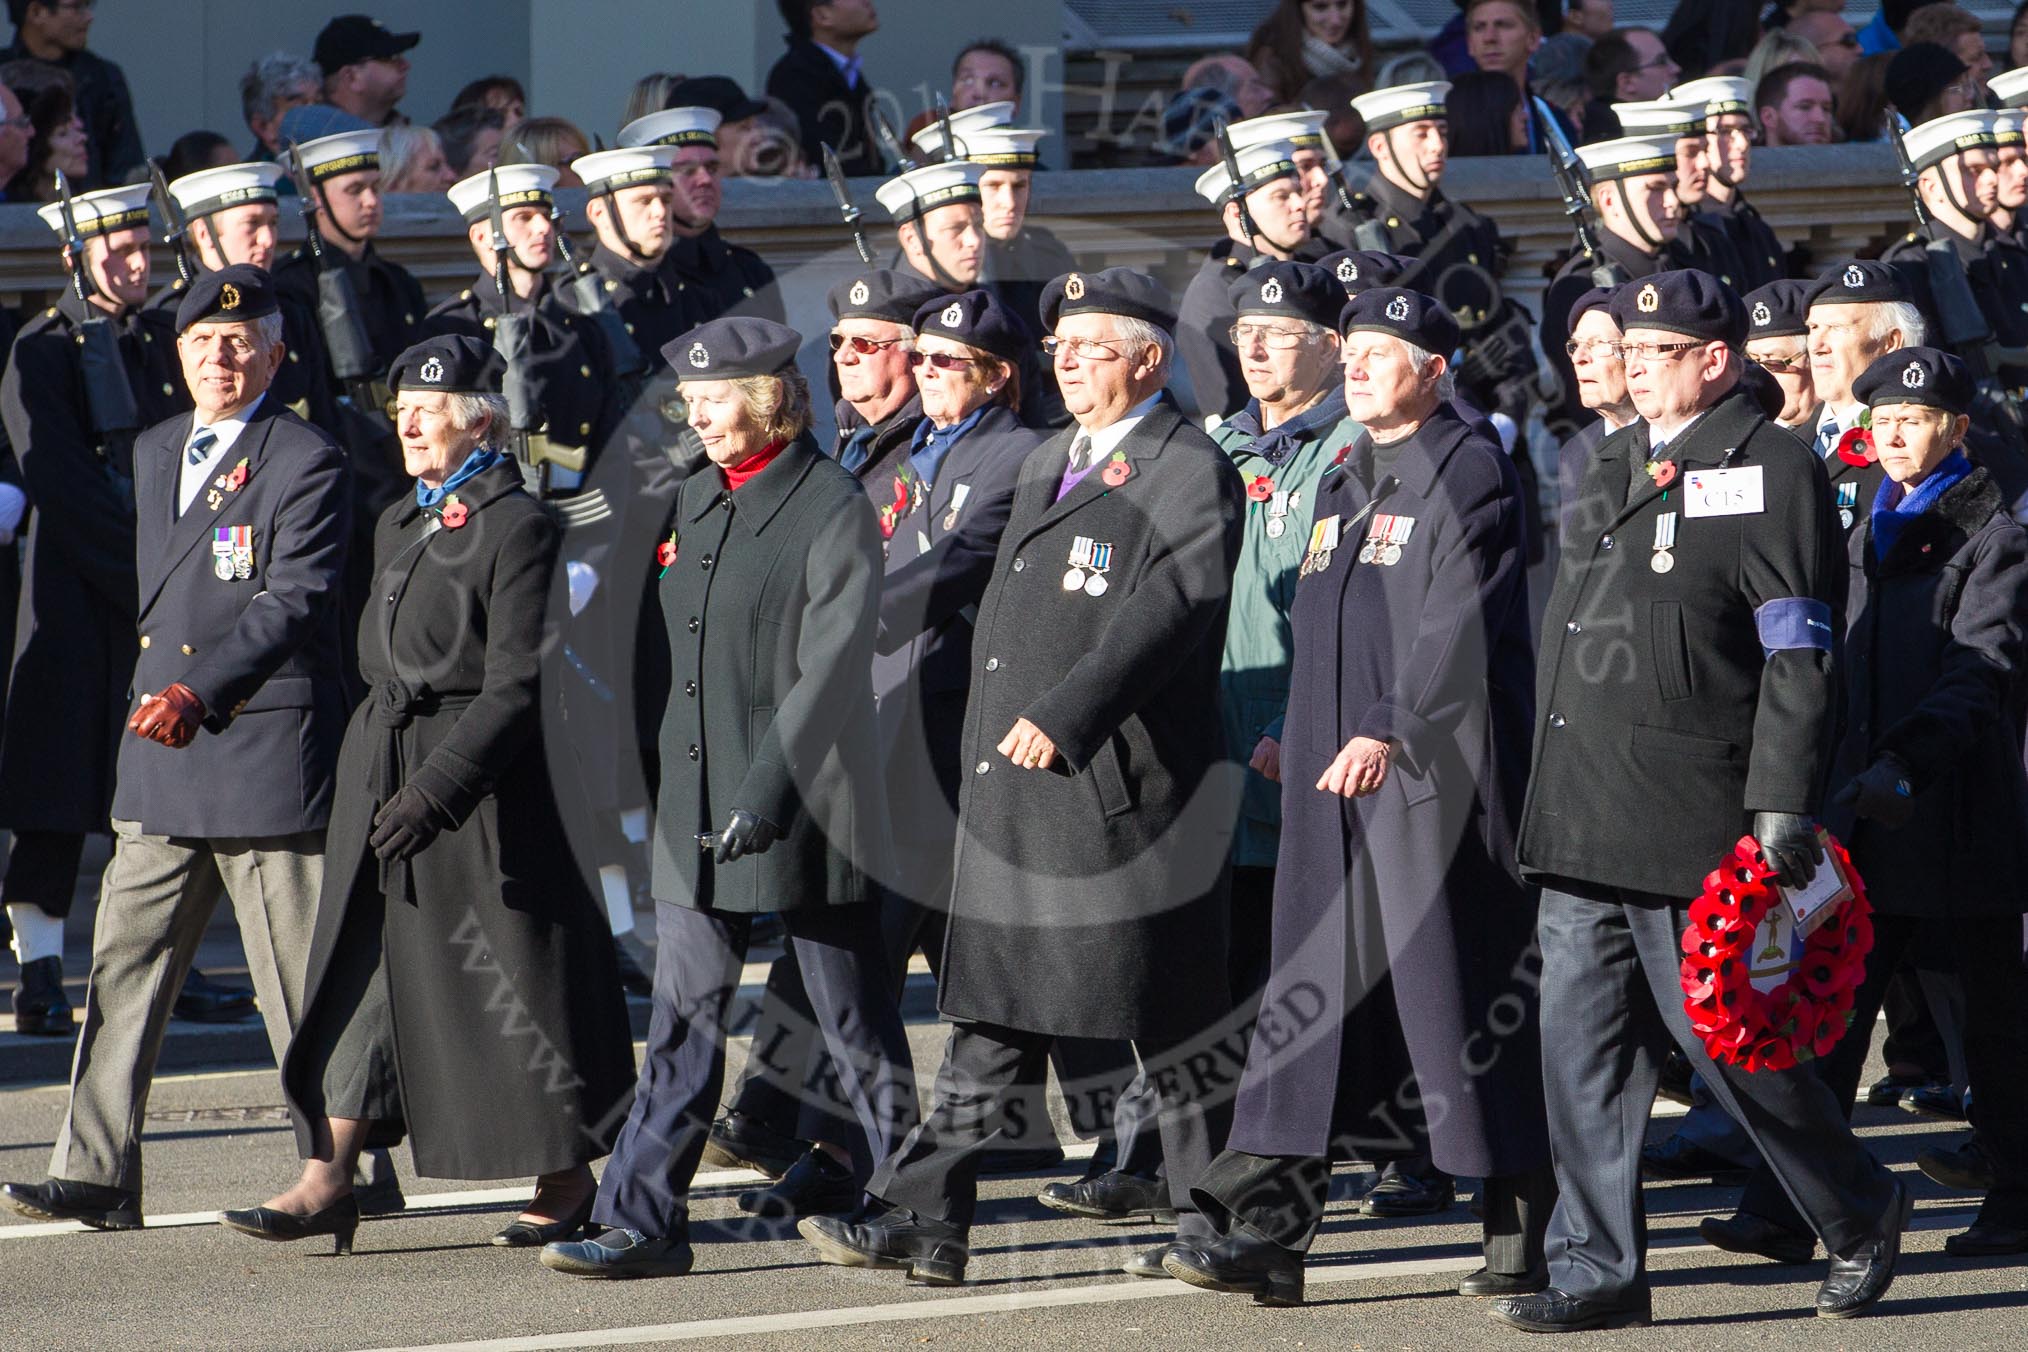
(154, 902)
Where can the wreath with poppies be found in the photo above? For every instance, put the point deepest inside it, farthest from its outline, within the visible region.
(1802, 1018)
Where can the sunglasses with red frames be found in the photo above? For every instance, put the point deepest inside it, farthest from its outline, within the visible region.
(943, 361)
(865, 347)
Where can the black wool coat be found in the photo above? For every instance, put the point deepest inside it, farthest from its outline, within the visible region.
(1433, 653)
(1090, 899)
(1933, 660)
(510, 1033)
(714, 277)
(1661, 724)
(770, 607)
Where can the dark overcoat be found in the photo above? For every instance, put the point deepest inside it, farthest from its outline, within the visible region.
(75, 641)
(1431, 652)
(1090, 899)
(391, 300)
(1655, 700)
(510, 1033)
(1760, 249)
(714, 277)
(770, 606)
(1204, 321)
(261, 651)
(1933, 658)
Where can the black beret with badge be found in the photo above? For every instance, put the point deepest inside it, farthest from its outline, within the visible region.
(1116, 291)
(977, 318)
(736, 345)
(229, 295)
(1916, 375)
(1858, 281)
(1291, 290)
(1358, 269)
(1598, 298)
(1690, 302)
(880, 293)
(448, 364)
(1411, 316)
(1779, 309)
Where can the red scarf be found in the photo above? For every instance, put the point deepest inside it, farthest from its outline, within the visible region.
(738, 474)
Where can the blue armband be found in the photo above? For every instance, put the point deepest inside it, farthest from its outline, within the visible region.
(1793, 622)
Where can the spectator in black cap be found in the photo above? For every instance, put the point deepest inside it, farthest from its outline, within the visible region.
(56, 31)
(365, 66)
(1600, 376)
(872, 337)
(1777, 341)
(770, 794)
(820, 78)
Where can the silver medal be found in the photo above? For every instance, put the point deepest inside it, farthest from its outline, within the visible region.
(1074, 580)
(1276, 528)
(1845, 517)
(1367, 552)
(221, 565)
(1663, 561)
(1096, 586)
(1390, 555)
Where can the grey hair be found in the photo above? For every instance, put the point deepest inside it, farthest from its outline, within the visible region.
(1447, 383)
(1142, 335)
(1885, 316)
(267, 80)
(269, 327)
(467, 409)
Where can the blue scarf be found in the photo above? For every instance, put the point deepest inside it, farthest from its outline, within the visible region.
(1279, 444)
(933, 443)
(477, 462)
(1894, 506)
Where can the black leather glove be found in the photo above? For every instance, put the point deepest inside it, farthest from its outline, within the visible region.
(1788, 841)
(405, 825)
(1882, 793)
(745, 834)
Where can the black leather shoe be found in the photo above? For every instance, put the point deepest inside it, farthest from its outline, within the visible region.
(1886, 1091)
(1965, 1169)
(620, 1254)
(933, 1253)
(340, 1220)
(41, 1009)
(815, 1185)
(1988, 1240)
(1148, 1262)
(1744, 1232)
(634, 979)
(1240, 1264)
(1400, 1193)
(1029, 1159)
(741, 1141)
(1862, 1277)
(1111, 1197)
(1486, 1282)
(61, 1199)
(203, 1000)
(1676, 1159)
(1675, 1082)
(1554, 1311)
(1940, 1101)
(532, 1234)
(376, 1187)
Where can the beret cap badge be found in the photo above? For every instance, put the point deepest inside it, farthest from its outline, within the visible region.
(228, 297)
(1855, 276)
(1761, 314)
(1348, 271)
(1271, 293)
(860, 292)
(1912, 377)
(1648, 300)
(1397, 309)
(953, 315)
(432, 372)
(1074, 288)
(697, 356)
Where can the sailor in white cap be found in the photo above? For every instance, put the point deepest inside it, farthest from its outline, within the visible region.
(1702, 240)
(1956, 163)
(711, 276)
(938, 222)
(2010, 156)
(1729, 135)
(1264, 220)
(1302, 128)
(629, 207)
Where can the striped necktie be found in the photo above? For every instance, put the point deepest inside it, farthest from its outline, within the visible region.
(201, 444)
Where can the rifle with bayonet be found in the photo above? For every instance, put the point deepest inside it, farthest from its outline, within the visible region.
(834, 173)
(339, 317)
(513, 339)
(890, 141)
(588, 292)
(1576, 190)
(943, 115)
(1231, 160)
(178, 235)
(109, 395)
(1335, 165)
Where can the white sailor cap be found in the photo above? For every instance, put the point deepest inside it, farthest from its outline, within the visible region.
(347, 152)
(1257, 165)
(521, 185)
(1627, 157)
(2010, 87)
(1303, 129)
(674, 127)
(2007, 127)
(1720, 94)
(920, 191)
(101, 212)
(1661, 118)
(229, 185)
(999, 147)
(984, 117)
(1397, 106)
(611, 170)
(1938, 139)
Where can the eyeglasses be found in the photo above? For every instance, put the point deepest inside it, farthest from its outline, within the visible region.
(21, 123)
(1084, 349)
(943, 361)
(1597, 349)
(1277, 340)
(1783, 366)
(865, 347)
(1654, 351)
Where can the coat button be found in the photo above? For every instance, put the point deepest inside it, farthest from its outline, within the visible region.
(992, 664)
(693, 752)
(1556, 720)
(1019, 564)
(1606, 543)
(694, 625)
(705, 563)
(1573, 628)
(144, 640)
(189, 651)
(982, 767)
(690, 688)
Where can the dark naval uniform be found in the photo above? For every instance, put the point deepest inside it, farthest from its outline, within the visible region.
(1019, 268)
(1572, 280)
(1707, 246)
(1203, 320)
(715, 278)
(1759, 249)
(391, 302)
(1998, 274)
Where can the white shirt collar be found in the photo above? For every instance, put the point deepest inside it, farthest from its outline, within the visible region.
(1108, 438)
(192, 478)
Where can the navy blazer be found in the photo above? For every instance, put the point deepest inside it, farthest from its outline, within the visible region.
(260, 650)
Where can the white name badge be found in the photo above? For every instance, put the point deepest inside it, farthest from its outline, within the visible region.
(1723, 492)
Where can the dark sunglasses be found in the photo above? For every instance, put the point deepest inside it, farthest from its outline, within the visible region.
(865, 347)
(943, 361)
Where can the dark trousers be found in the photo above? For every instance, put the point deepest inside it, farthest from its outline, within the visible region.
(1913, 1037)
(936, 1172)
(698, 955)
(1612, 1000)
(1984, 952)
(1281, 1199)
(42, 868)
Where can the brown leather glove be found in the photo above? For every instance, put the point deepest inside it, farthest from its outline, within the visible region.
(171, 718)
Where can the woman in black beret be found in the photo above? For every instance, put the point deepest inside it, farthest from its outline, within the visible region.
(461, 985)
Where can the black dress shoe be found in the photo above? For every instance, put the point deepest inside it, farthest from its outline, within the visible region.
(1554, 1311)
(934, 1253)
(1862, 1277)
(1240, 1264)
(41, 1009)
(742, 1141)
(1987, 1239)
(1965, 1169)
(1676, 1159)
(621, 1255)
(1400, 1193)
(203, 1000)
(1027, 1159)
(339, 1220)
(1744, 1232)
(815, 1185)
(1148, 1262)
(1677, 1073)
(376, 1187)
(1111, 1197)
(1486, 1282)
(1886, 1091)
(534, 1234)
(61, 1199)
(1937, 1100)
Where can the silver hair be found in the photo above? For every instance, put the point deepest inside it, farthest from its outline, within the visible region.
(269, 328)
(1885, 316)
(1140, 335)
(1447, 383)
(271, 78)
(467, 409)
